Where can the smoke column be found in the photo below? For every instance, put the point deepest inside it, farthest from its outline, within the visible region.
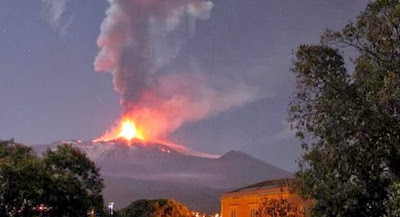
(138, 38)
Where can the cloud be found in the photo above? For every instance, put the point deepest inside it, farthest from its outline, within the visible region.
(285, 133)
(54, 11)
(200, 10)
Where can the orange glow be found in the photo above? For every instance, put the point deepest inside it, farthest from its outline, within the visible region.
(129, 131)
(126, 129)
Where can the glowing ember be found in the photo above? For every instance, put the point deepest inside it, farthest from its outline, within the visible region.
(128, 130)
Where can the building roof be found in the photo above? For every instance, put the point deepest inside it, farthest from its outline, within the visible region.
(265, 185)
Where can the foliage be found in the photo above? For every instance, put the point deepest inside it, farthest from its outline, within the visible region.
(21, 178)
(349, 122)
(281, 207)
(64, 179)
(155, 208)
(395, 200)
(74, 181)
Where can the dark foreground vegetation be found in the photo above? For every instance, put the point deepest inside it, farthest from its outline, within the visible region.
(63, 182)
(155, 208)
(349, 119)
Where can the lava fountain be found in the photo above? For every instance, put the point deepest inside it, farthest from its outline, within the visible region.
(129, 131)
(126, 130)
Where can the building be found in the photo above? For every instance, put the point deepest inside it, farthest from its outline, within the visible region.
(246, 201)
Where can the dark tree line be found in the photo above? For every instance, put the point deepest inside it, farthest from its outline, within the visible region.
(155, 208)
(349, 119)
(63, 180)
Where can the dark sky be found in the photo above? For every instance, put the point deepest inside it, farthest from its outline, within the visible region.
(49, 90)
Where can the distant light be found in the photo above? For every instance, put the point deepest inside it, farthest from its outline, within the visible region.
(111, 208)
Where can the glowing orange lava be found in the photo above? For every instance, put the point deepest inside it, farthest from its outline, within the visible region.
(128, 130)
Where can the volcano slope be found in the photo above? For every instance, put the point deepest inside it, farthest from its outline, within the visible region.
(150, 170)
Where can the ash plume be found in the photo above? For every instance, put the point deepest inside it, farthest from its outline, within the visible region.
(137, 39)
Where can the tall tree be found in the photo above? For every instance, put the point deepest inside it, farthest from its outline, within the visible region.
(75, 185)
(349, 121)
(21, 178)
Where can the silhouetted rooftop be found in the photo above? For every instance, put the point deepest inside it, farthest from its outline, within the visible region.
(265, 185)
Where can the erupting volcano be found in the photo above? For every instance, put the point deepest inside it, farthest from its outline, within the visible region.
(138, 39)
(138, 169)
(126, 130)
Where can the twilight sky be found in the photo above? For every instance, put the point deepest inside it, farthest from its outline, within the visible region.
(49, 90)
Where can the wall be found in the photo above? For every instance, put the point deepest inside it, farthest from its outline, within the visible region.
(244, 202)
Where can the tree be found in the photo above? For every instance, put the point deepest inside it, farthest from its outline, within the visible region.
(395, 201)
(74, 185)
(349, 121)
(65, 181)
(21, 178)
(279, 207)
(155, 208)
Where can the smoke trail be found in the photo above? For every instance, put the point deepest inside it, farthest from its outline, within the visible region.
(55, 10)
(178, 98)
(138, 38)
(134, 42)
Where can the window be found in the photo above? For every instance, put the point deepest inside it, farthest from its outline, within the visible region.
(253, 212)
(233, 213)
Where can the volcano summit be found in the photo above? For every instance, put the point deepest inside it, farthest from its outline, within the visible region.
(140, 169)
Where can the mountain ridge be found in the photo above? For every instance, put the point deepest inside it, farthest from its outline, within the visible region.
(154, 169)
